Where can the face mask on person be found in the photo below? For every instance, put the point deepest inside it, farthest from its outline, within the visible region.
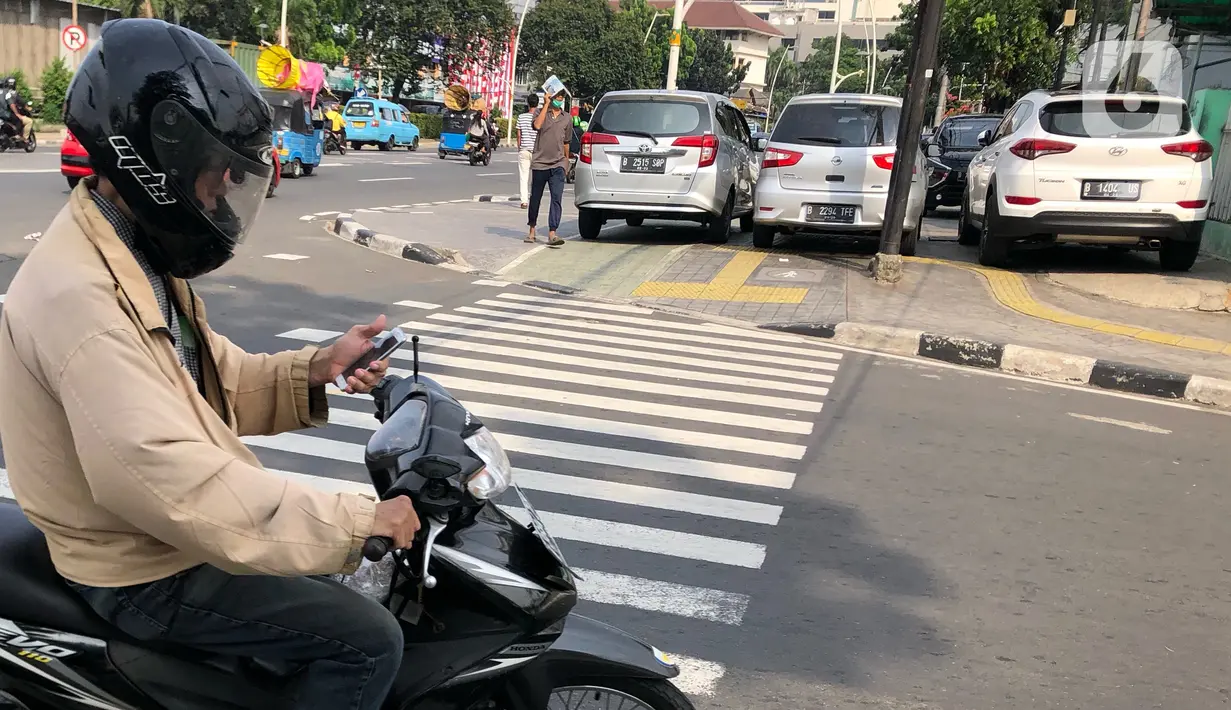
(558, 103)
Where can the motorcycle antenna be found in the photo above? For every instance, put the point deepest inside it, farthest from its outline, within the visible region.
(414, 347)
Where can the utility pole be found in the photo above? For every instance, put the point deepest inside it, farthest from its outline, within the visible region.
(677, 28)
(1062, 63)
(837, 50)
(525, 10)
(1134, 58)
(282, 35)
(941, 98)
(887, 264)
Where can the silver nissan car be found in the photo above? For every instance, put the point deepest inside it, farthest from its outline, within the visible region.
(674, 155)
(826, 169)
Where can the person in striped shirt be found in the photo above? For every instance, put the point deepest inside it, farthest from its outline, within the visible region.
(526, 136)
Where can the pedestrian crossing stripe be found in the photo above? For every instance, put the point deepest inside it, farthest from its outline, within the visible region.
(630, 426)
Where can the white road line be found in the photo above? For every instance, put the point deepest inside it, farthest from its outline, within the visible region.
(492, 174)
(490, 282)
(663, 597)
(553, 374)
(724, 442)
(311, 335)
(697, 677)
(550, 344)
(520, 260)
(286, 257)
(307, 218)
(384, 179)
(774, 342)
(550, 448)
(595, 305)
(417, 304)
(523, 324)
(324, 214)
(1139, 426)
(648, 497)
(646, 408)
(620, 366)
(639, 538)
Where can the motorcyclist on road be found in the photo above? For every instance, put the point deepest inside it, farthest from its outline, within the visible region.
(336, 123)
(15, 109)
(123, 410)
(480, 130)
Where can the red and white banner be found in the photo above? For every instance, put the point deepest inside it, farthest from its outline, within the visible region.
(492, 80)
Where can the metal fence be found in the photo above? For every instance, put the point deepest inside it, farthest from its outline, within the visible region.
(1220, 196)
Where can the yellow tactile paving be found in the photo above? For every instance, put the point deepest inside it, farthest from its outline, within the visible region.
(727, 285)
(1010, 290)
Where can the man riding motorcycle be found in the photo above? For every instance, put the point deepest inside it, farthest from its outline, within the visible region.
(123, 409)
(14, 112)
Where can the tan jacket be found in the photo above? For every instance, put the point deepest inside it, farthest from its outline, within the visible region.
(112, 451)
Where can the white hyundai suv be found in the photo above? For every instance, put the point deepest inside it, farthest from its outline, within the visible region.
(1122, 170)
(826, 169)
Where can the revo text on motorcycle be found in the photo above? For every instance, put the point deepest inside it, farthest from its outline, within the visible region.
(484, 602)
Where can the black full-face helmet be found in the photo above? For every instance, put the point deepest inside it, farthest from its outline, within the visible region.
(184, 136)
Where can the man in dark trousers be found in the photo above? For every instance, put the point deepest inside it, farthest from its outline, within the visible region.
(554, 128)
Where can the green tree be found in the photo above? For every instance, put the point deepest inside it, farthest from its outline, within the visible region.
(1009, 44)
(713, 68)
(400, 35)
(816, 70)
(54, 83)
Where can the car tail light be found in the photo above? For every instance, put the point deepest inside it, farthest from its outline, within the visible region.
(708, 144)
(589, 140)
(1199, 151)
(1020, 200)
(884, 161)
(780, 158)
(1031, 148)
(1191, 204)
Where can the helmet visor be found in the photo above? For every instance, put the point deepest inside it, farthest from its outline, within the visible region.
(227, 187)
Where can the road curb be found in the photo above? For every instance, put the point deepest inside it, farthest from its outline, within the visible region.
(1020, 360)
(497, 198)
(347, 228)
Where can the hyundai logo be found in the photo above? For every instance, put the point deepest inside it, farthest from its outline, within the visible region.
(645, 148)
(1117, 151)
(836, 160)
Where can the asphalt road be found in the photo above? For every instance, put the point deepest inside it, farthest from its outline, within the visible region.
(808, 526)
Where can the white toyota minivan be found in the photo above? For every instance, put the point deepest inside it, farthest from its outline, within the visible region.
(826, 169)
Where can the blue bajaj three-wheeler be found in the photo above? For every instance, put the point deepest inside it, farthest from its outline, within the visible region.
(299, 140)
(455, 133)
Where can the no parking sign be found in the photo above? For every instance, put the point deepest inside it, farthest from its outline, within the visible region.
(73, 37)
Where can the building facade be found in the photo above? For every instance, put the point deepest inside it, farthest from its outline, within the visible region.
(750, 37)
(803, 21)
(30, 33)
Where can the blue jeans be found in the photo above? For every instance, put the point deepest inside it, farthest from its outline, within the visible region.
(351, 645)
(553, 177)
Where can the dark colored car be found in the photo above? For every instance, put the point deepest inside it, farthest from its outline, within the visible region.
(955, 141)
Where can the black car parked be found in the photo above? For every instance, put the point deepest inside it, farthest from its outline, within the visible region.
(951, 148)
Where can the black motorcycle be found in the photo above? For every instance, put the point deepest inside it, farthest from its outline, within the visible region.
(10, 137)
(484, 602)
(477, 150)
(334, 143)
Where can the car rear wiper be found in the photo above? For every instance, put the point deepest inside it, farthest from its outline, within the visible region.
(827, 140)
(639, 134)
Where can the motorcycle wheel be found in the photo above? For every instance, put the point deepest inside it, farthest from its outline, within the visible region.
(31, 144)
(624, 693)
(342, 148)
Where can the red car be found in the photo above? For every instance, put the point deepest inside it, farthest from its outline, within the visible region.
(75, 164)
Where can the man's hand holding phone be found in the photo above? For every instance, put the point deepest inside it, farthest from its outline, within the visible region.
(350, 359)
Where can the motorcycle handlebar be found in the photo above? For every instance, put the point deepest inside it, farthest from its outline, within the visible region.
(376, 547)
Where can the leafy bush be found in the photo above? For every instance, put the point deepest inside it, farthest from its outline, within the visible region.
(54, 82)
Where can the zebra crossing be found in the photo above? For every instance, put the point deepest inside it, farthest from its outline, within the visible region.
(658, 451)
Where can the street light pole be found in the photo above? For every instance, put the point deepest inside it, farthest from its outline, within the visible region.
(1062, 63)
(677, 27)
(525, 10)
(837, 50)
(887, 264)
(282, 36)
(769, 106)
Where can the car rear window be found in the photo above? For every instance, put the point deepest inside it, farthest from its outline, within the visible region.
(841, 125)
(656, 117)
(964, 133)
(362, 108)
(1116, 118)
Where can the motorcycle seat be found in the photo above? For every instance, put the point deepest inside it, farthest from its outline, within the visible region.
(31, 590)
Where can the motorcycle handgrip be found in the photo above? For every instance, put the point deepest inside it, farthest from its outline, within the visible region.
(376, 547)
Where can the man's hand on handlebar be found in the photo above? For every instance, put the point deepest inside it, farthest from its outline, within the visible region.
(396, 519)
